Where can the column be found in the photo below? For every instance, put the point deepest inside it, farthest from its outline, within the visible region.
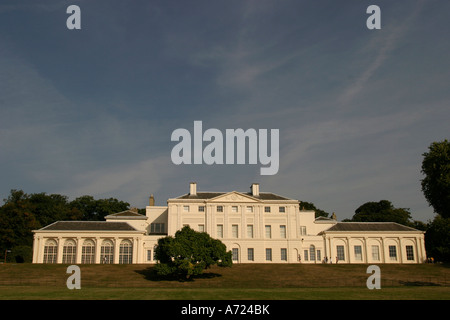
(98, 245)
(116, 250)
(60, 250)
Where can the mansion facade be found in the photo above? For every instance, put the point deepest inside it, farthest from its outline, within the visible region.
(258, 227)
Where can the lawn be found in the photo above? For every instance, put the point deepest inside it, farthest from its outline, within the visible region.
(242, 281)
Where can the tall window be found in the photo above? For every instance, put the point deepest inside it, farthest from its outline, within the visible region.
(250, 231)
(393, 253)
(375, 253)
(235, 254)
(220, 231)
(409, 253)
(107, 252)
(88, 251)
(358, 253)
(126, 252)
(50, 251)
(312, 253)
(234, 231)
(69, 252)
(283, 254)
(268, 232)
(250, 254)
(283, 232)
(340, 253)
(268, 254)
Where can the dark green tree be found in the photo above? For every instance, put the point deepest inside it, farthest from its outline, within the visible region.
(304, 205)
(96, 210)
(188, 253)
(381, 211)
(436, 184)
(437, 239)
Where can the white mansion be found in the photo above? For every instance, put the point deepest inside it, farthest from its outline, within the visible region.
(258, 227)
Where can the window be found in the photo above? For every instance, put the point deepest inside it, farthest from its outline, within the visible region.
(409, 253)
(283, 254)
(149, 255)
(393, 253)
(266, 209)
(306, 254)
(303, 230)
(201, 228)
(268, 254)
(219, 208)
(234, 209)
(249, 209)
(69, 252)
(157, 228)
(283, 232)
(268, 232)
(201, 208)
(234, 231)
(375, 253)
(250, 254)
(88, 252)
(282, 209)
(358, 253)
(250, 231)
(107, 252)
(312, 253)
(50, 251)
(235, 254)
(186, 208)
(125, 252)
(319, 255)
(220, 231)
(340, 253)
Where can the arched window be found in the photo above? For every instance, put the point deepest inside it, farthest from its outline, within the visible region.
(107, 252)
(50, 251)
(312, 253)
(69, 252)
(126, 252)
(88, 251)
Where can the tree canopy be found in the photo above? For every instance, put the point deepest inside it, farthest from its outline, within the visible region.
(21, 213)
(381, 211)
(189, 253)
(436, 184)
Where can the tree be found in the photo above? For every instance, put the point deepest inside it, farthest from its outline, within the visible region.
(381, 211)
(436, 184)
(189, 253)
(96, 210)
(304, 205)
(437, 239)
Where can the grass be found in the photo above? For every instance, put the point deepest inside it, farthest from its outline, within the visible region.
(243, 281)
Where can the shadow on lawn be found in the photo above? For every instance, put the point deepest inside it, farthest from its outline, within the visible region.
(151, 275)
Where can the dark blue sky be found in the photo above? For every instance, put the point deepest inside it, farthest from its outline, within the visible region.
(91, 111)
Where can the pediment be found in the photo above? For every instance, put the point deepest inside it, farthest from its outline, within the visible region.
(233, 196)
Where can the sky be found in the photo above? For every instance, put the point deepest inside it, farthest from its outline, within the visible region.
(91, 111)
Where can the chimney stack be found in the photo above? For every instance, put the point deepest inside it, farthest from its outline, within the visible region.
(151, 201)
(193, 189)
(255, 189)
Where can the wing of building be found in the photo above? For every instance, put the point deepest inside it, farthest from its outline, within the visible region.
(258, 227)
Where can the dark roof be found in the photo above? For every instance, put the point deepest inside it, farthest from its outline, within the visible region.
(210, 195)
(89, 226)
(127, 213)
(369, 226)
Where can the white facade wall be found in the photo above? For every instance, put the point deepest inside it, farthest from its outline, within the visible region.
(255, 230)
